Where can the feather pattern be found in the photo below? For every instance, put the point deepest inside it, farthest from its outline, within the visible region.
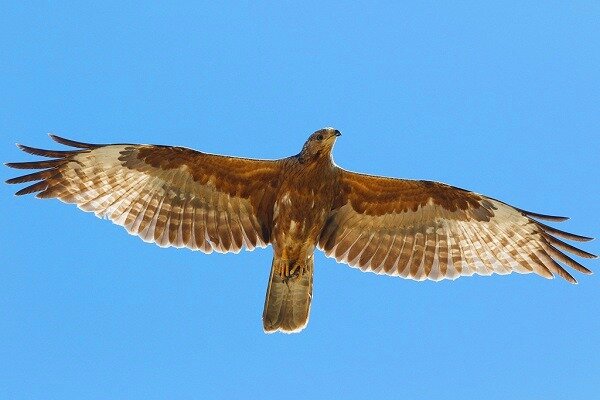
(434, 231)
(162, 194)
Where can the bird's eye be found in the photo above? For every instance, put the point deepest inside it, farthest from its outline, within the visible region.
(320, 137)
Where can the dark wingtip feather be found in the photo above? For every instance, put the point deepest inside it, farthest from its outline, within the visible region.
(567, 247)
(565, 259)
(563, 234)
(563, 273)
(546, 217)
(568, 277)
(36, 187)
(72, 143)
(36, 176)
(45, 153)
(12, 181)
(35, 164)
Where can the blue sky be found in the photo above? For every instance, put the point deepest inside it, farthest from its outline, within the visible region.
(502, 99)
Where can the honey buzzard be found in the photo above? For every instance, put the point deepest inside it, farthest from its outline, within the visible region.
(175, 196)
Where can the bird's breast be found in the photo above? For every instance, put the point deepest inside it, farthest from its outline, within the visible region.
(299, 213)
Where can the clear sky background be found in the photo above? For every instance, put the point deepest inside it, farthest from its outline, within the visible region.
(502, 99)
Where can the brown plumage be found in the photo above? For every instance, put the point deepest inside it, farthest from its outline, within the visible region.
(175, 196)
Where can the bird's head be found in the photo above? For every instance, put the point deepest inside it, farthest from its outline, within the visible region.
(319, 144)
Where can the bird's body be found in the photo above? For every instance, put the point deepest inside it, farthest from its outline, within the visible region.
(304, 198)
(303, 201)
(175, 196)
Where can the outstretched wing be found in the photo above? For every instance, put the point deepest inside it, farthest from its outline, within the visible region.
(172, 196)
(428, 230)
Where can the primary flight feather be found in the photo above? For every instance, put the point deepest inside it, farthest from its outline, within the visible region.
(175, 196)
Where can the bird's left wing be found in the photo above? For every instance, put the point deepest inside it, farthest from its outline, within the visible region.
(428, 230)
(172, 196)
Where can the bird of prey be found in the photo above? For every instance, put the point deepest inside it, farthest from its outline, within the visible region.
(415, 229)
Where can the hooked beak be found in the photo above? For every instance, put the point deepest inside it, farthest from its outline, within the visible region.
(337, 133)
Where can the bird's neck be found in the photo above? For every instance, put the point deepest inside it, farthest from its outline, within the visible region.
(320, 157)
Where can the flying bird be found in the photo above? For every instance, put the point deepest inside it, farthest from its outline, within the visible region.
(415, 229)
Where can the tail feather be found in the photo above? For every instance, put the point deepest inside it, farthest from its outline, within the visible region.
(287, 304)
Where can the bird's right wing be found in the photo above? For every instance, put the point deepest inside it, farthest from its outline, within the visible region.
(429, 230)
(172, 196)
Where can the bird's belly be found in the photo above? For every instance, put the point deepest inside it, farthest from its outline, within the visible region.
(297, 225)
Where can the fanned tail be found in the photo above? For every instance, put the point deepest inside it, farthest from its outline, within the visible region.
(287, 304)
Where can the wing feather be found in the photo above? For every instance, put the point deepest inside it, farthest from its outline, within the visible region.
(186, 223)
(406, 252)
